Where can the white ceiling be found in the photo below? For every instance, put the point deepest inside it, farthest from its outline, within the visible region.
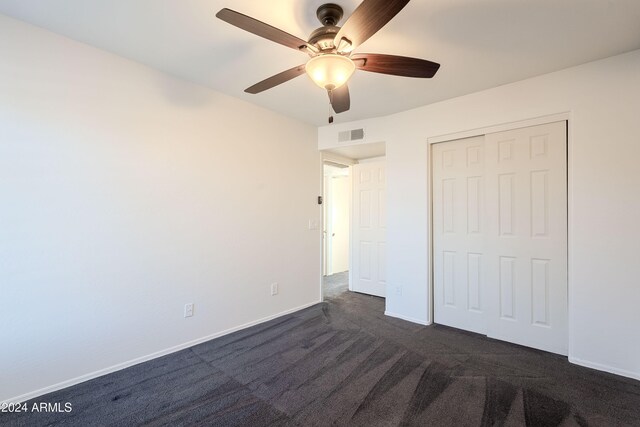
(480, 44)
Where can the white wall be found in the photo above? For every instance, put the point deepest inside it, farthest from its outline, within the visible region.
(603, 99)
(126, 193)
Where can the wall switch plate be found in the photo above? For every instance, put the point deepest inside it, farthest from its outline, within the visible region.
(188, 310)
(274, 289)
(399, 290)
(314, 224)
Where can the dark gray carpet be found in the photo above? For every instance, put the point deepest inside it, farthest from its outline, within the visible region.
(343, 362)
(335, 284)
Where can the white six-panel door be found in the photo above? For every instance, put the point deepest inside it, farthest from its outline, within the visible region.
(500, 235)
(528, 236)
(459, 235)
(368, 260)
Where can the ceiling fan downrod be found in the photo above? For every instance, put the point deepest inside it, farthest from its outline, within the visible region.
(329, 14)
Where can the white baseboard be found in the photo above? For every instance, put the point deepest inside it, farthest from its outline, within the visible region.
(605, 368)
(123, 365)
(407, 318)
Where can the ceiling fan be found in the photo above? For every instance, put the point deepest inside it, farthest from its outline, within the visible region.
(331, 49)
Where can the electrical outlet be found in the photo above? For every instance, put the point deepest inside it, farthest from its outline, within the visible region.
(274, 289)
(399, 290)
(188, 310)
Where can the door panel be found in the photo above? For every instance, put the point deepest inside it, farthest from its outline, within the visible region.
(369, 235)
(527, 179)
(336, 219)
(458, 215)
(339, 237)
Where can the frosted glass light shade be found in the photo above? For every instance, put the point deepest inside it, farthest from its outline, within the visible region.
(330, 71)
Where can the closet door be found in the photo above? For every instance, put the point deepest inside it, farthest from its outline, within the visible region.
(500, 235)
(526, 194)
(459, 268)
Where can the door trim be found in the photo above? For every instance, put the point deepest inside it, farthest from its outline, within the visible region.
(541, 120)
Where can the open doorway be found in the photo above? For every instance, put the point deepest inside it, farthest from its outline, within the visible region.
(336, 231)
(354, 220)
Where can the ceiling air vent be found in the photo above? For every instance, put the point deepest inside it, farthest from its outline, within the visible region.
(351, 135)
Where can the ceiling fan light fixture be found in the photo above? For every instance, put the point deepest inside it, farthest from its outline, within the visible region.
(330, 71)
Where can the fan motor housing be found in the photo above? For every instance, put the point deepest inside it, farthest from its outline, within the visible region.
(323, 37)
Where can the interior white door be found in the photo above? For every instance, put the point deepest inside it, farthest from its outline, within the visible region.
(326, 247)
(339, 238)
(500, 235)
(459, 272)
(368, 260)
(527, 236)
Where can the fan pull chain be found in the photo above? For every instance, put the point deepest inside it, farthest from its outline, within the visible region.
(330, 106)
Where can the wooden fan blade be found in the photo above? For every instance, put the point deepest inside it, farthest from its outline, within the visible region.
(273, 81)
(340, 99)
(366, 20)
(261, 29)
(395, 65)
